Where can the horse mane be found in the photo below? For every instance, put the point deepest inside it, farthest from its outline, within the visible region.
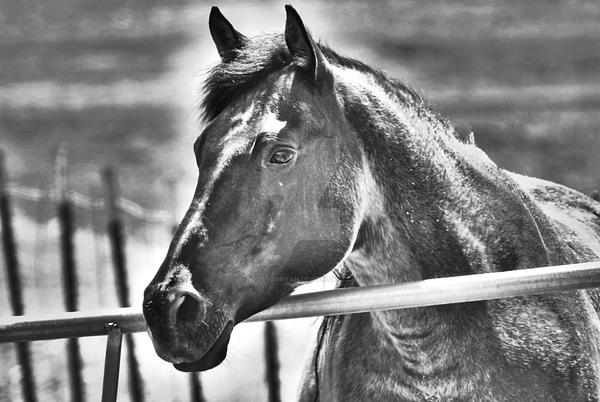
(263, 55)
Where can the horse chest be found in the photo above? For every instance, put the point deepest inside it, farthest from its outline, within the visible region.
(353, 369)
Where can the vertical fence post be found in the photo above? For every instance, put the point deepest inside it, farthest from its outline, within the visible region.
(117, 242)
(100, 279)
(197, 395)
(69, 273)
(112, 363)
(14, 282)
(272, 362)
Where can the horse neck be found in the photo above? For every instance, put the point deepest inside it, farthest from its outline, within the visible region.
(434, 207)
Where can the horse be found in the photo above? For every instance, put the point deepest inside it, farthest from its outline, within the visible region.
(310, 162)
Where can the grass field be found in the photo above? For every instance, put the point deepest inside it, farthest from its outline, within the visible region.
(116, 81)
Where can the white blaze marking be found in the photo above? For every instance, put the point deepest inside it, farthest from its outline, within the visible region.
(231, 147)
(233, 143)
(271, 124)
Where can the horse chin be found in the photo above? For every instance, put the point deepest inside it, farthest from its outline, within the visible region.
(213, 357)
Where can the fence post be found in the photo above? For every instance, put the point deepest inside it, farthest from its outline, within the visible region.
(69, 270)
(14, 282)
(112, 363)
(197, 395)
(117, 243)
(272, 362)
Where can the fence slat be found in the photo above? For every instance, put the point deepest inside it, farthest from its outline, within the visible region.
(458, 289)
(14, 282)
(196, 392)
(115, 233)
(272, 362)
(66, 221)
(27, 375)
(112, 363)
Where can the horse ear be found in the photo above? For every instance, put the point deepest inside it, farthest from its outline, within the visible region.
(301, 45)
(226, 38)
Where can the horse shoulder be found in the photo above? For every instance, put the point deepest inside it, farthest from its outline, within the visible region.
(561, 327)
(575, 216)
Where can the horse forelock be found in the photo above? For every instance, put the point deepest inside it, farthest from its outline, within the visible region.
(258, 58)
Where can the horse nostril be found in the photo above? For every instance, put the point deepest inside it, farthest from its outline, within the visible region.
(187, 308)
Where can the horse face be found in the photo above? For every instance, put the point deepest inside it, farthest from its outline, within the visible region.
(276, 205)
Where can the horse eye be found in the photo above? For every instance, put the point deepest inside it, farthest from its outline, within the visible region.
(282, 156)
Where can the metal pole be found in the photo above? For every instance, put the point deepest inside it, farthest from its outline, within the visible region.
(117, 239)
(117, 242)
(457, 289)
(112, 363)
(67, 233)
(272, 362)
(69, 325)
(14, 282)
(431, 292)
(197, 394)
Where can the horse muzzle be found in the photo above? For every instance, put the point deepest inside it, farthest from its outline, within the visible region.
(185, 328)
(213, 357)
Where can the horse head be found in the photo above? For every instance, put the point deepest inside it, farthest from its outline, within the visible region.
(278, 200)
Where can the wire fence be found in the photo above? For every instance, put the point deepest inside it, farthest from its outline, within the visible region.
(85, 202)
(60, 248)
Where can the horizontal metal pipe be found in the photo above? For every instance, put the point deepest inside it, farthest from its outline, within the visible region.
(457, 289)
(70, 325)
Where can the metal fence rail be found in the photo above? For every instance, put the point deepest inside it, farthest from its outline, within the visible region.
(458, 289)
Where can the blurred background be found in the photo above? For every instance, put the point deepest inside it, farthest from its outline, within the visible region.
(116, 83)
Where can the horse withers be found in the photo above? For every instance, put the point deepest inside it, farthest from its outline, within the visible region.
(311, 162)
